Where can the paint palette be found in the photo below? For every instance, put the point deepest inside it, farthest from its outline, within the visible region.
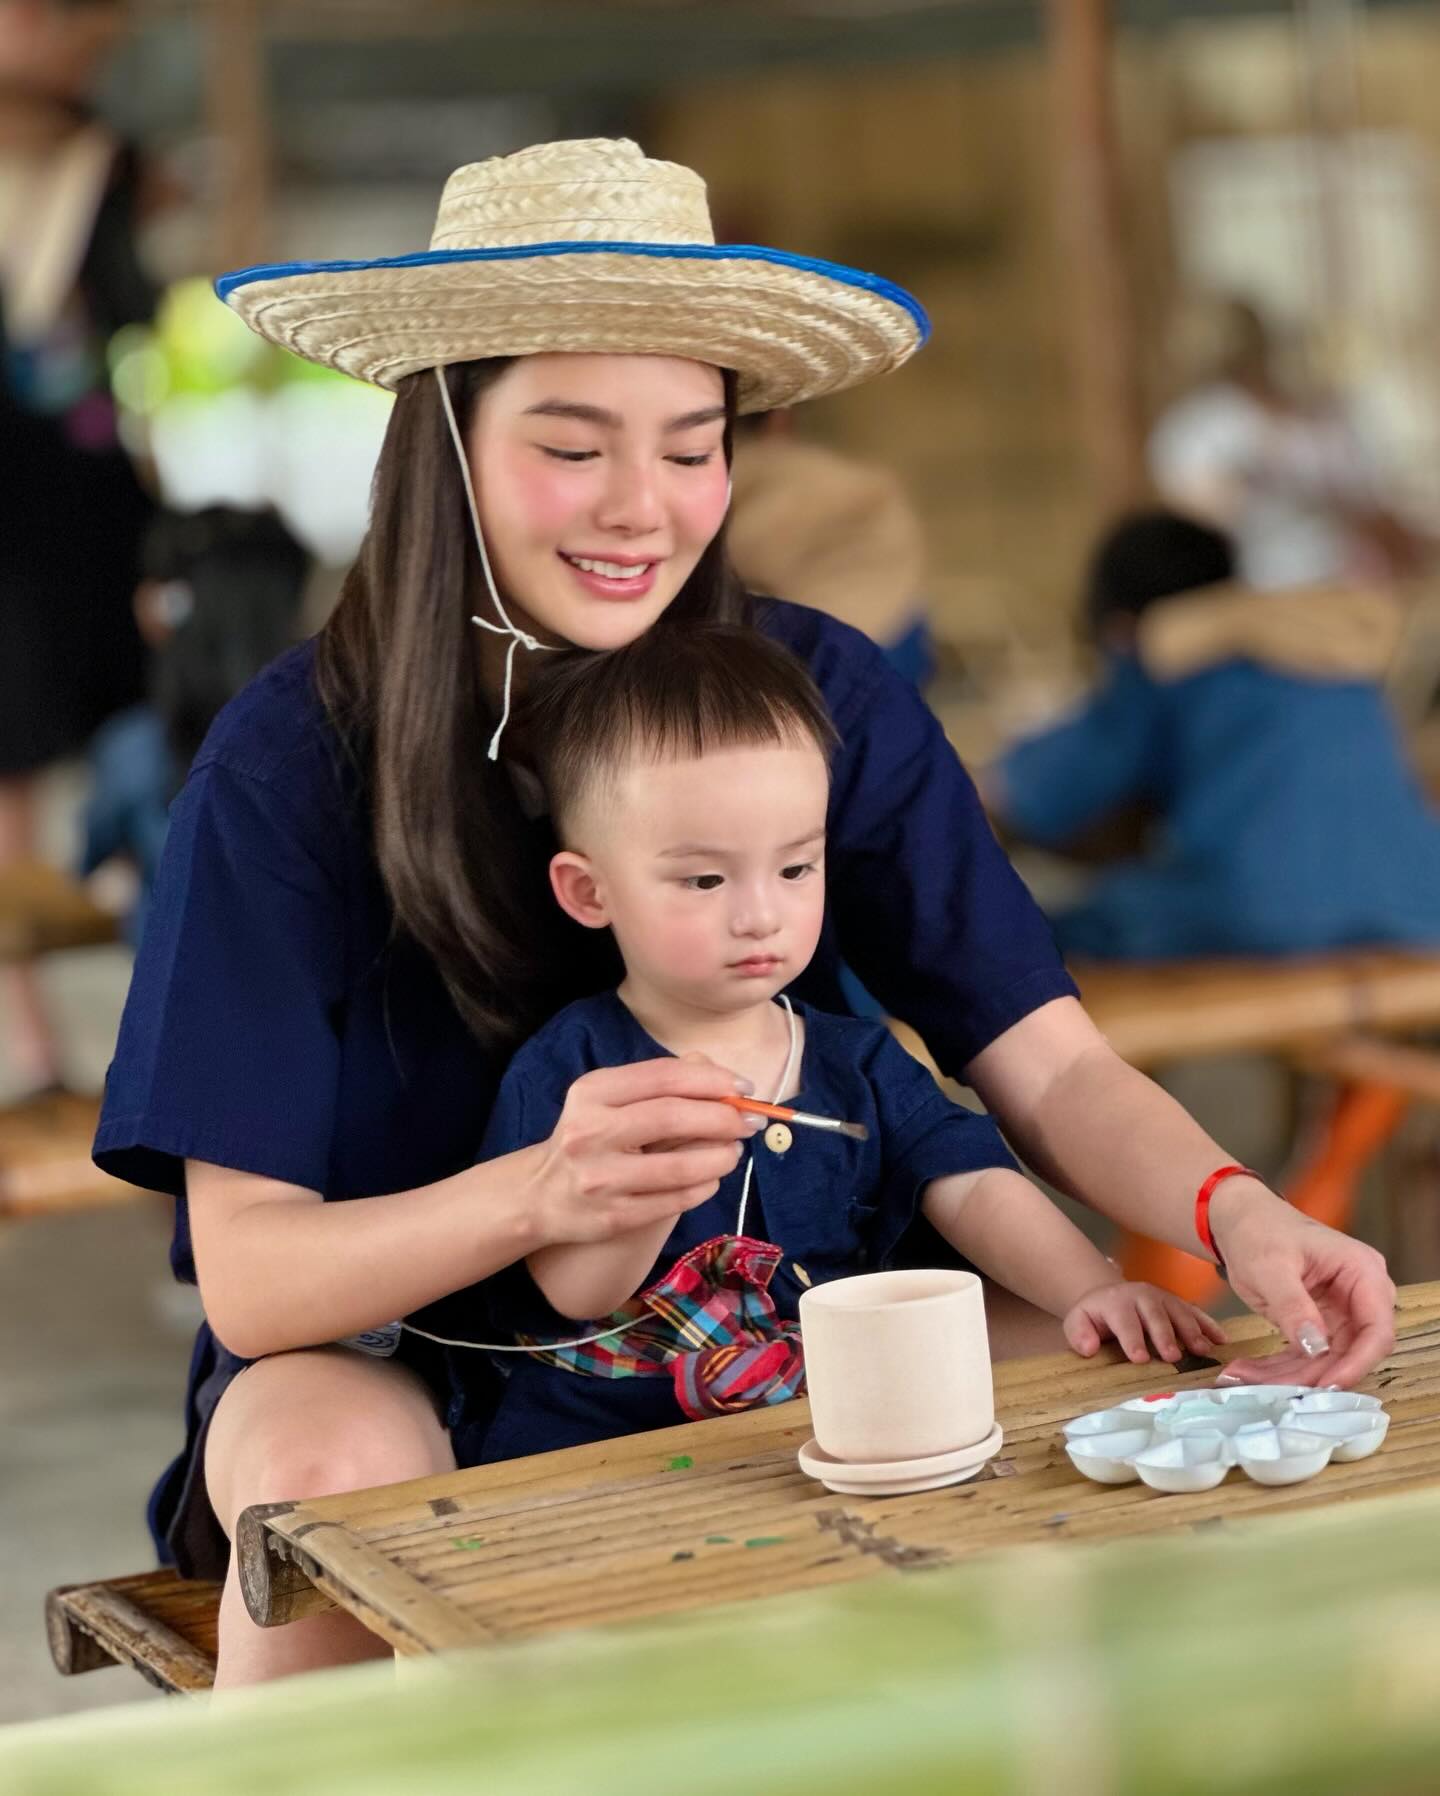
(1189, 1440)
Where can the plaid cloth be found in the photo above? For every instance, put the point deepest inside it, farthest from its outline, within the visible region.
(710, 1325)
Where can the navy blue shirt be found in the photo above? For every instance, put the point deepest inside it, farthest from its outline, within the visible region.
(276, 1026)
(835, 1205)
(1289, 820)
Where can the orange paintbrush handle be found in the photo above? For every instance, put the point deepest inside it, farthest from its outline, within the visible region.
(830, 1124)
(756, 1108)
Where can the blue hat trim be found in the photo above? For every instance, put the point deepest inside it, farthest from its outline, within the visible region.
(226, 284)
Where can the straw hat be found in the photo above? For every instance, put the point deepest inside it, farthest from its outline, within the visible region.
(586, 246)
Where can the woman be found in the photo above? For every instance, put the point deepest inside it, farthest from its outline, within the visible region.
(352, 931)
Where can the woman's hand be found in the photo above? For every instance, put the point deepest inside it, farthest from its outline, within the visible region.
(1329, 1295)
(636, 1144)
(1139, 1318)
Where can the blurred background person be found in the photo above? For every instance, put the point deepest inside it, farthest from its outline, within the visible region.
(1284, 471)
(1251, 728)
(222, 596)
(813, 526)
(75, 510)
(818, 528)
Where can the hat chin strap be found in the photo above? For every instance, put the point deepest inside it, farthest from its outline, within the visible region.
(518, 638)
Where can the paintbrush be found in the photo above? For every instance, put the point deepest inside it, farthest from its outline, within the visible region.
(831, 1124)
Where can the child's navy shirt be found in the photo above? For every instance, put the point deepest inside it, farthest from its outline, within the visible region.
(835, 1205)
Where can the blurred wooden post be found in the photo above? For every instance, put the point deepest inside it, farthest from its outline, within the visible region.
(1325, 39)
(236, 109)
(1096, 288)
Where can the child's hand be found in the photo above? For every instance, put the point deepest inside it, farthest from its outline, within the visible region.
(1139, 1317)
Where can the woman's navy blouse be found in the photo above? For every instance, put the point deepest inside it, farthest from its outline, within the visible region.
(275, 1024)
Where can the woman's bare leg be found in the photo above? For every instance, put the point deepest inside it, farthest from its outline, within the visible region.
(31, 1044)
(308, 1424)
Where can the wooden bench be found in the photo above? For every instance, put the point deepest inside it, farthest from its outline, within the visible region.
(1333, 1016)
(160, 1624)
(45, 1163)
(44, 911)
(1181, 1010)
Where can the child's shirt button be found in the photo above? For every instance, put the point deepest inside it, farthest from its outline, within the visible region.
(778, 1138)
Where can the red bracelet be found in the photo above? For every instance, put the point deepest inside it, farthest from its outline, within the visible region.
(1202, 1207)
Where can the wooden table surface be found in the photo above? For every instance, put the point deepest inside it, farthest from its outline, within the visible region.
(718, 1511)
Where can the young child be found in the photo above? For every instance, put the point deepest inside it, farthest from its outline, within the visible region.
(1253, 728)
(689, 785)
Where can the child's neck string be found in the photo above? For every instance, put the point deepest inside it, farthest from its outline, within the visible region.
(780, 1092)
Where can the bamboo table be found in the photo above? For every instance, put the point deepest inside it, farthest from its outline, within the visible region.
(718, 1511)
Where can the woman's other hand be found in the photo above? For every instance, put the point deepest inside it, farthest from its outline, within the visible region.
(1329, 1295)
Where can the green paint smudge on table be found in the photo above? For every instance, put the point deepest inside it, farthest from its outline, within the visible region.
(467, 1546)
(682, 1462)
(768, 1540)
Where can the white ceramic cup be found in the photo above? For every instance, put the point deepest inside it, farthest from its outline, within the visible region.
(897, 1365)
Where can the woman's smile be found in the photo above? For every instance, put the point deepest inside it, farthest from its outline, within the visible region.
(613, 577)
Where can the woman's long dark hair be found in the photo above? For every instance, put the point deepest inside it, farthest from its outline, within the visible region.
(398, 673)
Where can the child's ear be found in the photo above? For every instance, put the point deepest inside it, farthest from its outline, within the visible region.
(577, 891)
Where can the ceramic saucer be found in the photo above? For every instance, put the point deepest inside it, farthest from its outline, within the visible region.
(898, 1477)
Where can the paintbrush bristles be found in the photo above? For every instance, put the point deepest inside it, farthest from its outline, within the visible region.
(831, 1124)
